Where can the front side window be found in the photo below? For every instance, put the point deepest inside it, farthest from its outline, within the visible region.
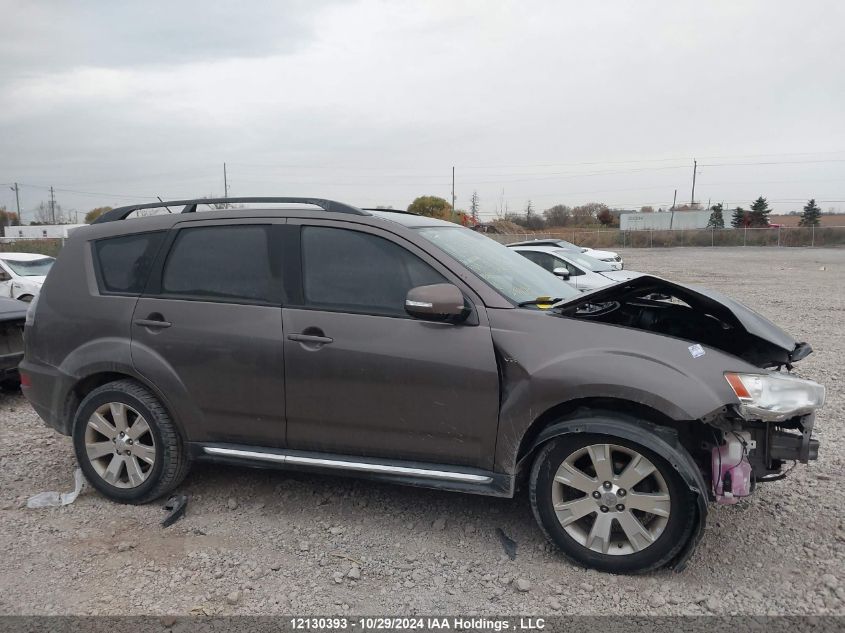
(541, 259)
(589, 263)
(351, 271)
(124, 262)
(574, 271)
(222, 263)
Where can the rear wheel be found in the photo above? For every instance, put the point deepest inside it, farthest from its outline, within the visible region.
(127, 445)
(611, 504)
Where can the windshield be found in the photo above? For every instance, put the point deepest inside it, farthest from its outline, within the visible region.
(31, 268)
(586, 262)
(569, 246)
(501, 267)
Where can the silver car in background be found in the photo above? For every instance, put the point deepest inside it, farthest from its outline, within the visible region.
(614, 260)
(580, 270)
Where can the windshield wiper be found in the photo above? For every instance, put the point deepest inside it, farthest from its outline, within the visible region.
(539, 301)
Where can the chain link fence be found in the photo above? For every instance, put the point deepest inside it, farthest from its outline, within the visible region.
(817, 236)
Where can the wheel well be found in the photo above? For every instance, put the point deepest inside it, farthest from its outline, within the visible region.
(86, 385)
(581, 406)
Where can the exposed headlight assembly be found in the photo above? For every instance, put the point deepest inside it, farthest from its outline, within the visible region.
(774, 396)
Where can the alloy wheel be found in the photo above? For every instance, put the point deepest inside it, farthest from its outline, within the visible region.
(120, 445)
(611, 499)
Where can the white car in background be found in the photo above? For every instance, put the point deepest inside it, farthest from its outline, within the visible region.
(22, 274)
(614, 260)
(580, 270)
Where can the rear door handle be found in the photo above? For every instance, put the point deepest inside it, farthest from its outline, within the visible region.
(310, 338)
(153, 323)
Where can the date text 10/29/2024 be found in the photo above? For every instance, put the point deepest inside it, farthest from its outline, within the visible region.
(417, 623)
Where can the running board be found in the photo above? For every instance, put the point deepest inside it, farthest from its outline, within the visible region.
(413, 473)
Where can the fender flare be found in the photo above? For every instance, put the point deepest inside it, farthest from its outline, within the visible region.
(661, 440)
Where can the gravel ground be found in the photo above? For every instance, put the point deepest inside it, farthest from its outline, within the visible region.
(272, 542)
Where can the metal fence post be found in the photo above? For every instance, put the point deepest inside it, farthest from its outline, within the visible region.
(651, 238)
(813, 239)
(778, 236)
(712, 237)
(744, 235)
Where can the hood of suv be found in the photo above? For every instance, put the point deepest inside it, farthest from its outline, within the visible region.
(690, 312)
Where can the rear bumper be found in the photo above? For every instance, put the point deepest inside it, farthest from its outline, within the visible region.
(47, 388)
(9, 364)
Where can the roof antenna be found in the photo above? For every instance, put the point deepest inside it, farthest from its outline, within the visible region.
(165, 206)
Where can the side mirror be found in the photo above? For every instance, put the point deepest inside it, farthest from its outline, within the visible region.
(563, 273)
(437, 302)
(4, 276)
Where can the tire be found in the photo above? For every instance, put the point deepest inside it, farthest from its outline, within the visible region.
(587, 519)
(123, 472)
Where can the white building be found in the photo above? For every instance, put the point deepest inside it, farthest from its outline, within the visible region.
(44, 231)
(674, 220)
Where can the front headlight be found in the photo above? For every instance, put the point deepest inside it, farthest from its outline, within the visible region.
(774, 396)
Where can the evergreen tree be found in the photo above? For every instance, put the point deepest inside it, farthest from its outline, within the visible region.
(759, 214)
(474, 207)
(812, 214)
(717, 220)
(738, 218)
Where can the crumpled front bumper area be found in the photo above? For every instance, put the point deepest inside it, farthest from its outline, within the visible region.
(792, 444)
(757, 454)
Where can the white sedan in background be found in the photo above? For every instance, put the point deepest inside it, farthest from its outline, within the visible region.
(580, 270)
(22, 274)
(614, 260)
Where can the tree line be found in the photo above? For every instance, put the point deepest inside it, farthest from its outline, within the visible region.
(598, 213)
(757, 216)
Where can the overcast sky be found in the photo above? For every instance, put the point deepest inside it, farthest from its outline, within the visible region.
(373, 102)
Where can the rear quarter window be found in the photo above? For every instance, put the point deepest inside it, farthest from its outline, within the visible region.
(123, 263)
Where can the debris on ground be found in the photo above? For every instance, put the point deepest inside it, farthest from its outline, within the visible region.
(56, 499)
(175, 506)
(508, 544)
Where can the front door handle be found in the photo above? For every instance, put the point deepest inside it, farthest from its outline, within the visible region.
(156, 321)
(310, 338)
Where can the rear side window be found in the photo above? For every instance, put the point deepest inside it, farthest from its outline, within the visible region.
(222, 263)
(352, 271)
(123, 263)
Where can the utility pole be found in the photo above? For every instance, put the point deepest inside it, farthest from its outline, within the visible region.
(694, 169)
(674, 199)
(453, 189)
(225, 184)
(52, 206)
(17, 200)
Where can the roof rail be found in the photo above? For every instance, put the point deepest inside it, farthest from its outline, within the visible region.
(390, 210)
(191, 206)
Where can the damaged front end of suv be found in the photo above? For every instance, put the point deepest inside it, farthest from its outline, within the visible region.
(768, 422)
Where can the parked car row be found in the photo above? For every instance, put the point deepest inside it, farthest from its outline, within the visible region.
(412, 350)
(614, 260)
(579, 269)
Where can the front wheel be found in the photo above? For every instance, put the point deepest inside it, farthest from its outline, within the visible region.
(611, 504)
(127, 445)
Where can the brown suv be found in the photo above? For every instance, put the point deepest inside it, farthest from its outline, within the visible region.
(408, 349)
